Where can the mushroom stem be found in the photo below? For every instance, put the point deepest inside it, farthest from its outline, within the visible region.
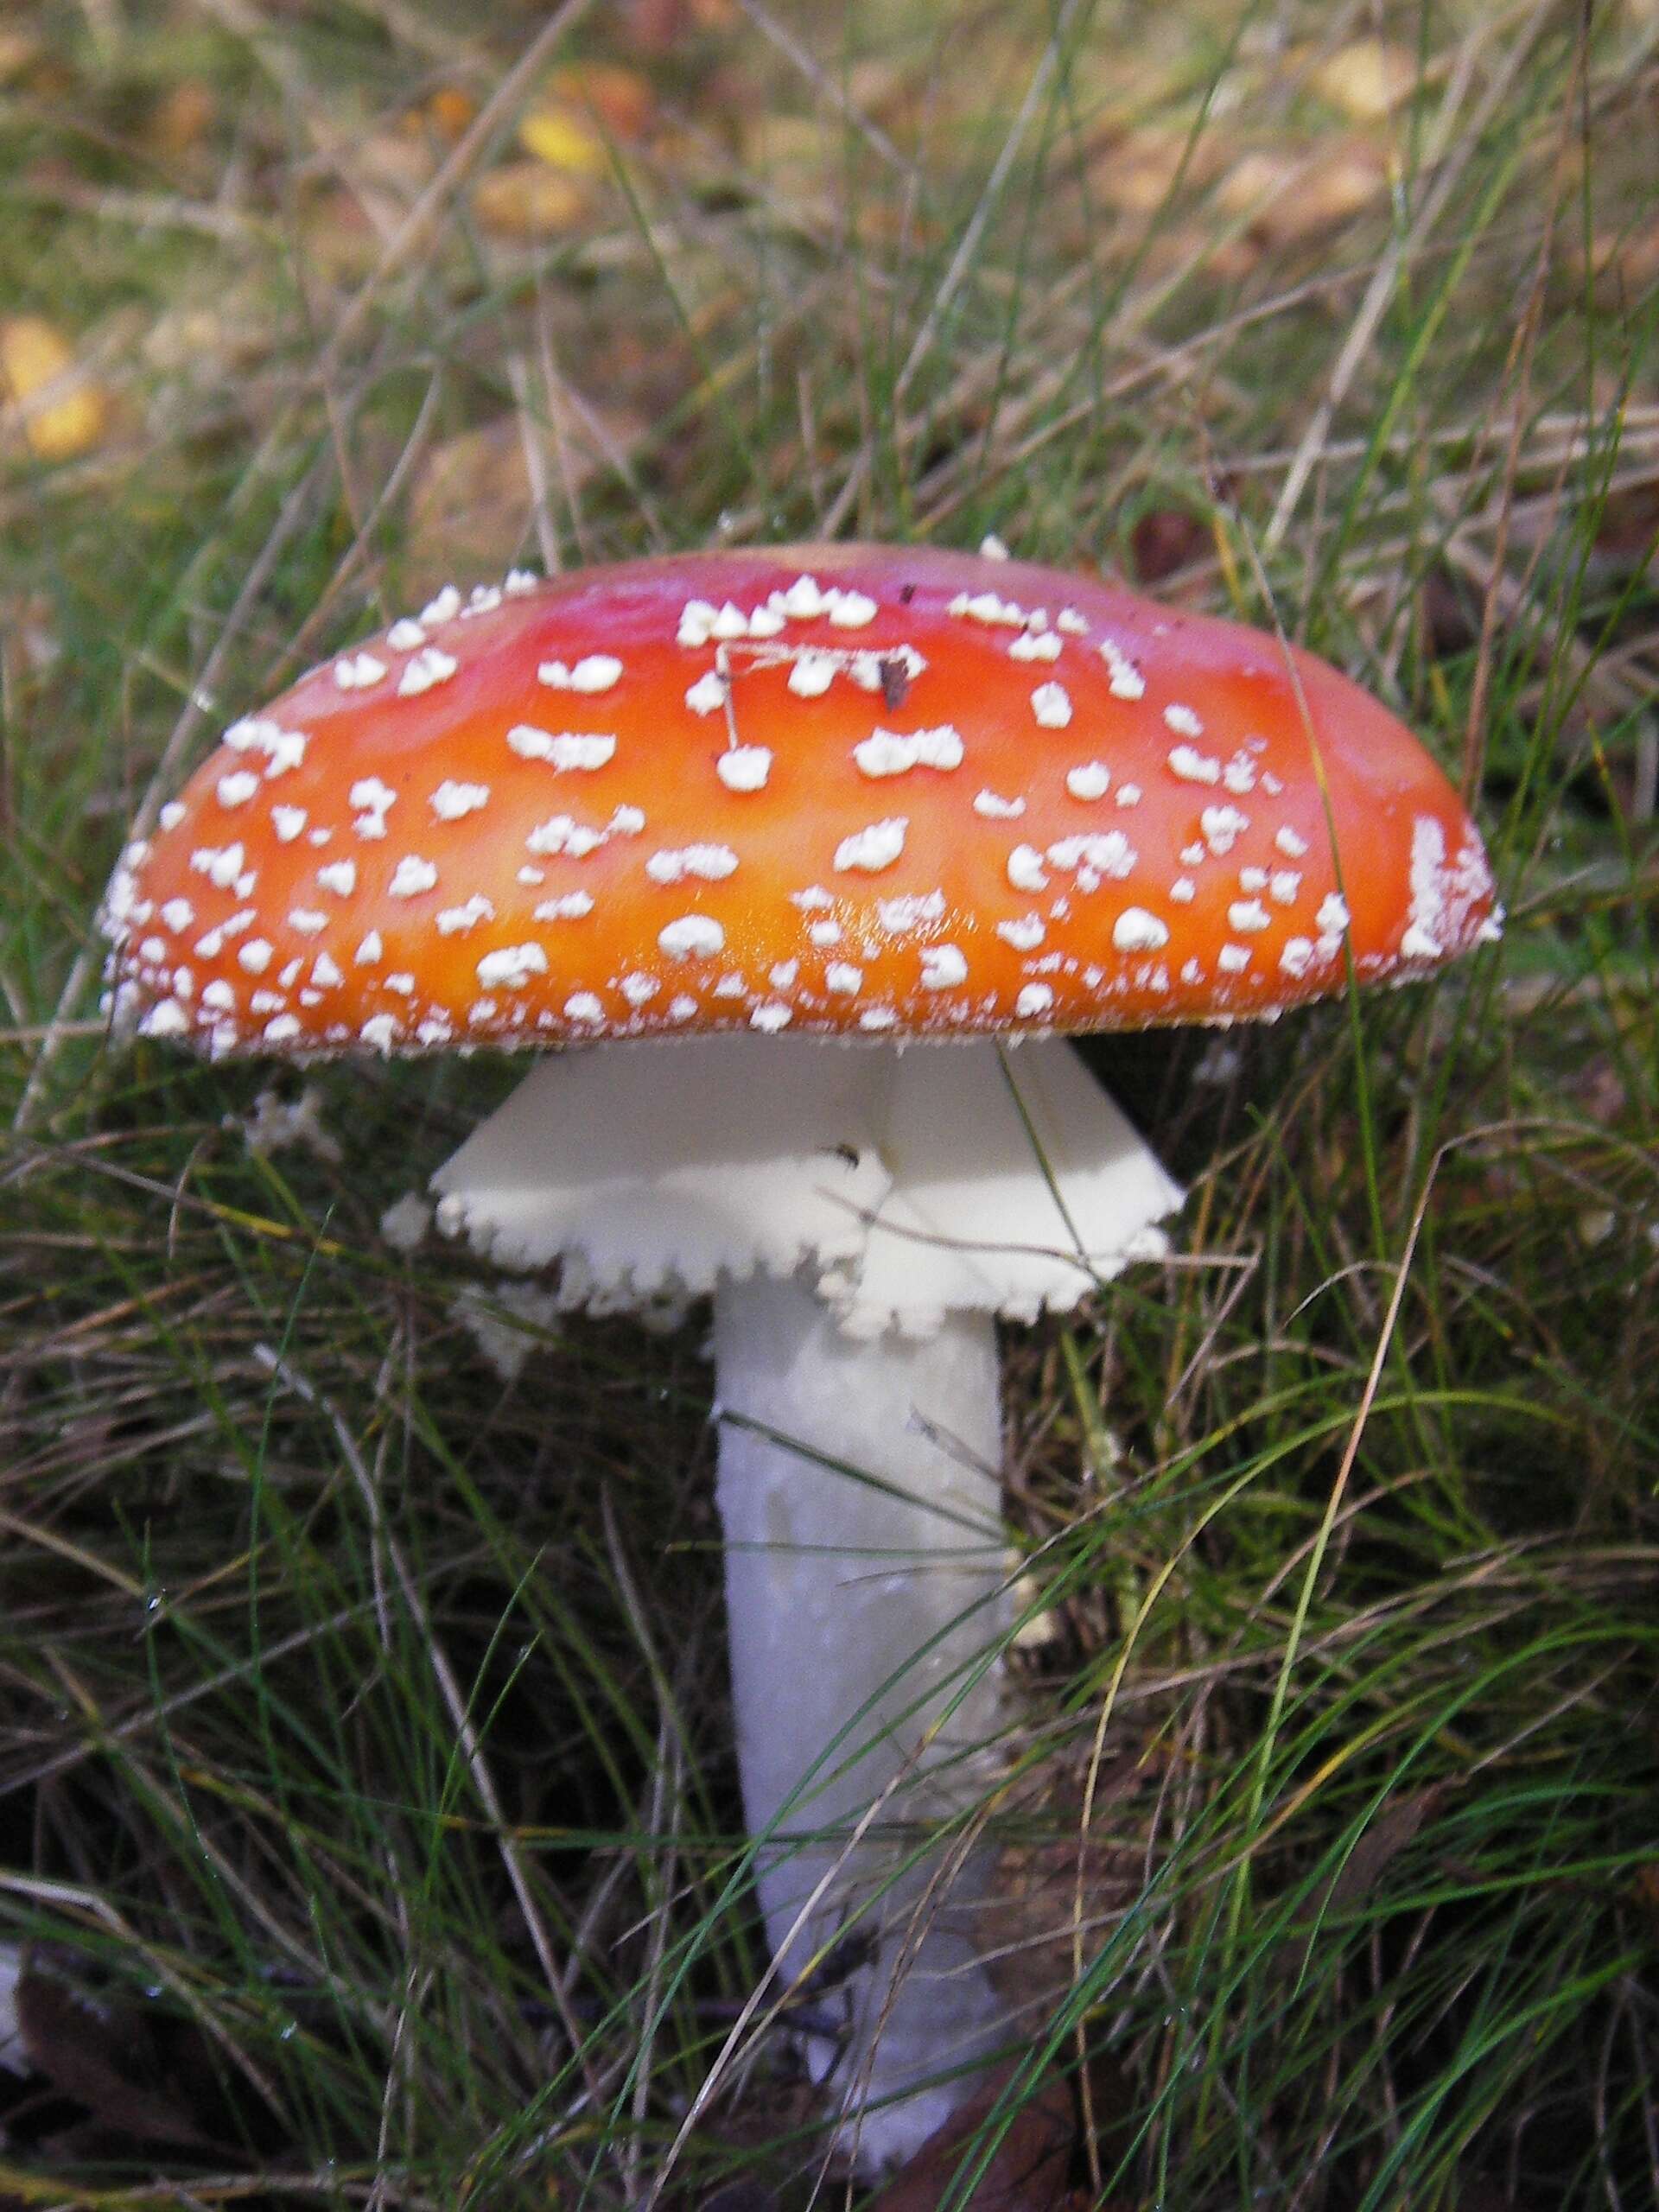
(867, 1582)
(862, 1217)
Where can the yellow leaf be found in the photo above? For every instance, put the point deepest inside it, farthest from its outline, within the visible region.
(555, 136)
(61, 413)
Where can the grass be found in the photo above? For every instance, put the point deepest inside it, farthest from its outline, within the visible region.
(362, 1722)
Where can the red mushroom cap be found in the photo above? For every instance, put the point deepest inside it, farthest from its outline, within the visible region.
(859, 789)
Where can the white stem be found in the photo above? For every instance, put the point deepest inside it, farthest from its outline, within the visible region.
(862, 1217)
(866, 1587)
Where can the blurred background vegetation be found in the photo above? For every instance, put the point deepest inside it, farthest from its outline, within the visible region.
(366, 1810)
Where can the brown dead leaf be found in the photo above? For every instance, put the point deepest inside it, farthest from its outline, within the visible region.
(1624, 264)
(18, 50)
(468, 505)
(1368, 78)
(345, 228)
(450, 113)
(800, 145)
(103, 2058)
(471, 499)
(1598, 1087)
(1040, 1892)
(207, 339)
(619, 98)
(1029, 2171)
(1449, 613)
(1198, 252)
(886, 88)
(1166, 540)
(28, 626)
(1136, 173)
(1647, 1893)
(398, 161)
(526, 199)
(1376, 1850)
(1287, 197)
(1627, 533)
(657, 26)
(54, 408)
(181, 119)
(341, 244)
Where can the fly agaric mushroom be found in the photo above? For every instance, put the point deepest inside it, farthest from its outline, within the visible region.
(850, 793)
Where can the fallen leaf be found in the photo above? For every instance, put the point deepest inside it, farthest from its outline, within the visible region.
(1598, 1087)
(182, 118)
(341, 244)
(449, 111)
(471, 499)
(468, 506)
(1594, 1225)
(396, 161)
(208, 340)
(797, 143)
(618, 98)
(563, 141)
(1450, 613)
(1136, 174)
(655, 26)
(1165, 540)
(581, 109)
(28, 624)
(1381, 1843)
(1287, 197)
(1367, 79)
(1039, 1890)
(59, 411)
(1627, 529)
(887, 88)
(1624, 265)
(17, 50)
(103, 2058)
(525, 199)
(1027, 2171)
(1647, 1893)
